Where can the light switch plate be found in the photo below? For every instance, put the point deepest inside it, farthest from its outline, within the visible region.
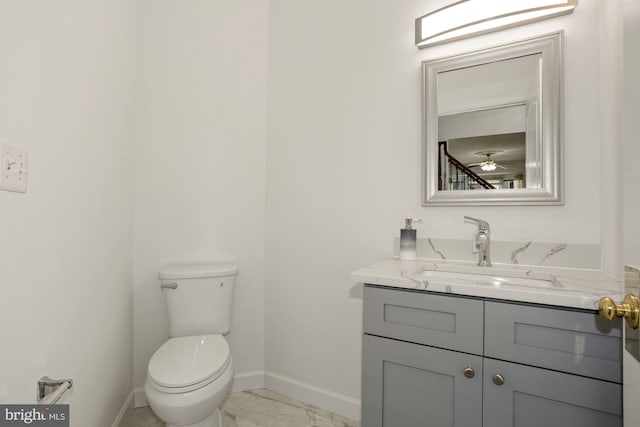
(13, 167)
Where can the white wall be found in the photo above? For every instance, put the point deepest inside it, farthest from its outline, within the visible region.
(630, 135)
(343, 166)
(611, 94)
(631, 184)
(67, 93)
(496, 121)
(200, 163)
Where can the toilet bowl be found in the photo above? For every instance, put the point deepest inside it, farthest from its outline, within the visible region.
(188, 379)
(190, 375)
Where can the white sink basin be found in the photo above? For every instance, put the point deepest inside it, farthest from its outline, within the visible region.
(487, 276)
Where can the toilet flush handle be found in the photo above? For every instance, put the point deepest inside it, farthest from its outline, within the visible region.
(173, 285)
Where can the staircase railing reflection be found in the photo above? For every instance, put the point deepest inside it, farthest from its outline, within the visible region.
(454, 175)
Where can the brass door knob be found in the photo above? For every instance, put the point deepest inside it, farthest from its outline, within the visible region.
(498, 379)
(629, 309)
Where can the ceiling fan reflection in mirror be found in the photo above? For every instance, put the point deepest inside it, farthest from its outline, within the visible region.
(489, 164)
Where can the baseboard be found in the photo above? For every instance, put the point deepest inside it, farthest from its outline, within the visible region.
(252, 380)
(242, 381)
(123, 410)
(139, 398)
(325, 399)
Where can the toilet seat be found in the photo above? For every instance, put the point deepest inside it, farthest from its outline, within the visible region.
(185, 364)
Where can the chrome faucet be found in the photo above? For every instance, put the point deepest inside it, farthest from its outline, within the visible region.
(481, 241)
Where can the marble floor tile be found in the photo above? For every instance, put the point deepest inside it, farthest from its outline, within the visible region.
(256, 408)
(141, 417)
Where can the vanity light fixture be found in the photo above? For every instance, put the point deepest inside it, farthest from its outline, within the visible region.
(467, 18)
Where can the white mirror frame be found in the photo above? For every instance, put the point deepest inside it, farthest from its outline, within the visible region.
(551, 131)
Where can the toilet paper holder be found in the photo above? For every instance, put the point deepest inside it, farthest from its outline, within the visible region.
(50, 390)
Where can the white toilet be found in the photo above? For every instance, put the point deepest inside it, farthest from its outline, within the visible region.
(190, 375)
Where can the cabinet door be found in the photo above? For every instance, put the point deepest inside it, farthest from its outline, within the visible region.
(534, 397)
(563, 340)
(441, 321)
(411, 385)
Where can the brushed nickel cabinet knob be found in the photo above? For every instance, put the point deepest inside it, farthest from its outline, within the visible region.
(469, 372)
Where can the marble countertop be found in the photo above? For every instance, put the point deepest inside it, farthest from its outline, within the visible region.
(580, 288)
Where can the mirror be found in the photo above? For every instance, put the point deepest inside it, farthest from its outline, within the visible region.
(492, 125)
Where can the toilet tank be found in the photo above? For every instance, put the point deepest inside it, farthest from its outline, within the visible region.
(200, 304)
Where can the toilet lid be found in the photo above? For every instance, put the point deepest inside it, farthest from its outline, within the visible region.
(185, 361)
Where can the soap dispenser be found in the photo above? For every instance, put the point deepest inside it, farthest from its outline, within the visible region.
(408, 239)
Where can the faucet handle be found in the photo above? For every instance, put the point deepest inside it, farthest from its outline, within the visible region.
(481, 223)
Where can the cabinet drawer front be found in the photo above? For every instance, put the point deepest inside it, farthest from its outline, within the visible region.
(568, 341)
(411, 385)
(524, 396)
(435, 320)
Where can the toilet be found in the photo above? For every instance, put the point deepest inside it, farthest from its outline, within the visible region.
(190, 375)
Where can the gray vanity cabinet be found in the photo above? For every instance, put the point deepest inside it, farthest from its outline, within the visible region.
(575, 342)
(532, 397)
(438, 360)
(438, 321)
(407, 384)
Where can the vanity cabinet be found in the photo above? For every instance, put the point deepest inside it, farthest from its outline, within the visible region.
(412, 385)
(438, 360)
(534, 397)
